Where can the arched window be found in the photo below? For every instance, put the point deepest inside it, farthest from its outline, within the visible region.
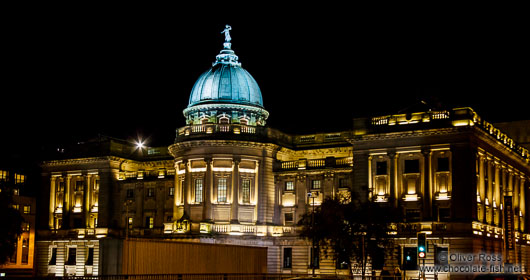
(224, 120)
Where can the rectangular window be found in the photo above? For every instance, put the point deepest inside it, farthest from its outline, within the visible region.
(315, 258)
(60, 187)
(78, 223)
(149, 222)
(245, 190)
(444, 214)
(25, 251)
(96, 185)
(198, 190)
(288, 217)
(19, 178)
(221, 190)
(130, 193)
(412, 215)
(443, 164)
(150, 192)
(90, 256)
(27, 209)
(287, 257)
(381, 168)
(79, 186)
(289, 186)
(3, 175)
(412, 166)
(344, 183)
(316, 184)
(53, 257)
(171, 191)
(440, 255)
(130, 222)
(16, 206)
(71, 260)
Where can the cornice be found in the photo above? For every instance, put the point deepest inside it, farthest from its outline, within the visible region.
(403, 134)
(175, 148)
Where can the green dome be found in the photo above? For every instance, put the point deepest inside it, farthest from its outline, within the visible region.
(226, 92)
(227, 83)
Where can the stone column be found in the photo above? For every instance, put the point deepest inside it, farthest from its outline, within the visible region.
(522, 206)
(87, 192)
(208, 186)
(254, 191)
(394, 192)
(234, 211)
(187, 186)
(427, 184)
(51, 221)
(497, 194)
(177, 196)
(68, 196)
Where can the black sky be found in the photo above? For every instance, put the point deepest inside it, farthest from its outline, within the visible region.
(71, 76)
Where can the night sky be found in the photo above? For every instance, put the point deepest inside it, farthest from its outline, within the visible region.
(72, 76)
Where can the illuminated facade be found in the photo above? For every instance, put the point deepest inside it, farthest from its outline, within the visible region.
(230, 179)
(21, 263)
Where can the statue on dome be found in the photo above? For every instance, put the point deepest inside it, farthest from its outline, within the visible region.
(227, 33)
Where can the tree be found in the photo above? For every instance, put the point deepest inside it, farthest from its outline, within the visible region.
(350, 230)
(10, 224)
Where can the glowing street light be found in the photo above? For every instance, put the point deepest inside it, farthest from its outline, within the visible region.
(140, 144)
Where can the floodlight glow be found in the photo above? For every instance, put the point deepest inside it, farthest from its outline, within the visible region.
(140, 144)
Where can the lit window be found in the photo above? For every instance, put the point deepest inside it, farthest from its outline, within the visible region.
(198, 190)
(27, 209)
(3, 175)
(221, 190)
(19, 178)
(171, 191)
(16, 206)
(149, 222)
(130, 222)
(315, 184)
(25, 226)
(289, 186)
(245, 189)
